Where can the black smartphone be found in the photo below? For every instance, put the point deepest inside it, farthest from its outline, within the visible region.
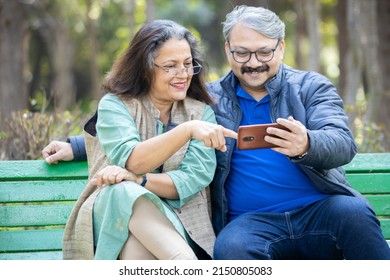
(252, 136)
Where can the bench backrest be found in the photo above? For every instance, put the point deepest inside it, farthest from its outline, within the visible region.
(370, 175)
(36, 200)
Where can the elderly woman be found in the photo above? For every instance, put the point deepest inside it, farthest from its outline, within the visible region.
(153, 137)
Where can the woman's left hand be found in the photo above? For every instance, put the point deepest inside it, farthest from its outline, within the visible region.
(113, 174)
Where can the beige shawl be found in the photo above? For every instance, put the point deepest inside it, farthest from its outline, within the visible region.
(78, 240)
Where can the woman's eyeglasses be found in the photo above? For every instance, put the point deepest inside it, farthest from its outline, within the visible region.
(177, 71)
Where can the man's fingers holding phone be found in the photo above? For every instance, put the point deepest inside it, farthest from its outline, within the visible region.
(292, 143)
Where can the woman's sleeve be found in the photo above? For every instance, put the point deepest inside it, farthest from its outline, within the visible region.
(197, 168)
(116, 130)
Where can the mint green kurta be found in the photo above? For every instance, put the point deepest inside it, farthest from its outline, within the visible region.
(113, 206)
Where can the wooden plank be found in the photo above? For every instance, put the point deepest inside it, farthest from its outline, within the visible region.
(380, 203)
(385, 225)
(39, 169)
(28, 191)
(38, 181)
(31, 240)
(49, 255)
(370, 183)
(35, 215)
(370, 162)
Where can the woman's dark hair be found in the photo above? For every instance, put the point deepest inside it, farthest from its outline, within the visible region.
(132, 74)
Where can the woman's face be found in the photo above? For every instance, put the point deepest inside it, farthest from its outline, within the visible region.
(171, 86)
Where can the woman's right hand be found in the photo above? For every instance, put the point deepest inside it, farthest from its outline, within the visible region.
(212, 135)
(113, 174)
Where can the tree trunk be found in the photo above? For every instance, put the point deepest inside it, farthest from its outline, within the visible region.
(130, 12)
(313, 16)
(61, 54)
(384, 60)
(353, 59)
(61, 50)
(150, 10)
(13, 58)
(369, 36)
(93, 46)
(300, 32)
(362, 63)
(342, 39)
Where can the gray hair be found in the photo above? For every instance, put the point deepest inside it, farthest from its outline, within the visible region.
(163, 30)
(259, 19)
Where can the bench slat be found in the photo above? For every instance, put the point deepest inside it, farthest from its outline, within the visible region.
(27, 189)
(23, 170)
(31, 240)
(49, 255)
(380, 203)
(40, 190)
(385, 225)
(370, 183)
(35, 215)
(369, 163)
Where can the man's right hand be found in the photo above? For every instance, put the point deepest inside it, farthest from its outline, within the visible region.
(57, 151)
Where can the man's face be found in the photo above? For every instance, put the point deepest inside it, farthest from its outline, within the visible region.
(253, 73)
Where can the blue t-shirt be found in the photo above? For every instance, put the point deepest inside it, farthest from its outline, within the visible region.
(263, 180)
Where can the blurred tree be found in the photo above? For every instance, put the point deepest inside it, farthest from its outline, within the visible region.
(384, 55)
(300, 32)
(150, 10)
(307, 30)
(72, 44)
(93, 12)
(361, 57)
(52, 26)
(13, 58)
(312, 12)
(342, 42)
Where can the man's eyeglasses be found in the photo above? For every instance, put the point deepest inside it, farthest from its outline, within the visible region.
(262, 55)
(177, 71)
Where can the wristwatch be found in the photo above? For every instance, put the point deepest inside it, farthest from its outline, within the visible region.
(144, 181)
(301, 156)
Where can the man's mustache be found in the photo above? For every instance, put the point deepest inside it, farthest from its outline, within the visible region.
(262, 68)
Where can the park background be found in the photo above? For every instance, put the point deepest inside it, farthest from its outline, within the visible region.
(54, 53)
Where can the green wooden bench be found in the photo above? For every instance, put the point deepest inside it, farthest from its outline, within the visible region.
(35, 202)
(36, 199)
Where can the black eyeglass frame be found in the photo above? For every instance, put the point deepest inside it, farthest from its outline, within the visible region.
(255, 52)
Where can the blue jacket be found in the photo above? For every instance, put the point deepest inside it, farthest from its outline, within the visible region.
(308, 97)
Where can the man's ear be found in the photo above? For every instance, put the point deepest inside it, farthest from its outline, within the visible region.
(282, 45)
(227, 49)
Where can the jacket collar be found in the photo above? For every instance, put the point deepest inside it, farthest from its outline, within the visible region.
(274, 85)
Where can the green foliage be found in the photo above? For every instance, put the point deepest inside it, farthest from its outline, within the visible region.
(116, 21)
(370, 137)
(27, 133)
(188, 13)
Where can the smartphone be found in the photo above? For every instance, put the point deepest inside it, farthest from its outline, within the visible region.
(252, 136)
